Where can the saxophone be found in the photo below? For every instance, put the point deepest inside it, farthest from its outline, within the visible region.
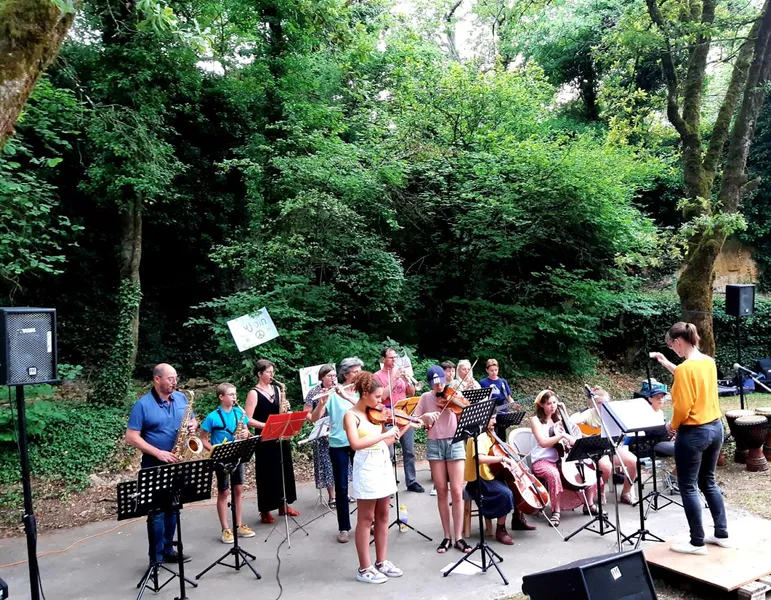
(187, 446)
(241, 426)
(283, 406)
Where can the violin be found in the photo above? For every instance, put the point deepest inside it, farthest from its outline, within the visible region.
(450, 398)
(380, 415)
(530, 494)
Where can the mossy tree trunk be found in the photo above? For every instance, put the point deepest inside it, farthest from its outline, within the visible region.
(740, 107)
(31, 33)
(130, 259)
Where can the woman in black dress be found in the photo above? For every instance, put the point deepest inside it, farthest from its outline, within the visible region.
(264, 400)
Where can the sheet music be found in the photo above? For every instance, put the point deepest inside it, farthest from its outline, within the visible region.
(628, 416)
(320, 430)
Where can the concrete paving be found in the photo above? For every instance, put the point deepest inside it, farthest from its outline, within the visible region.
(109, 557)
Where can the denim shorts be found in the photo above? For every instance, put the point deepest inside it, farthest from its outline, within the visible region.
(224, 478)
(444, 449)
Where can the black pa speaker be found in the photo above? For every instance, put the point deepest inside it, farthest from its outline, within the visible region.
(739, 300)
(27, 346)
(610, 577)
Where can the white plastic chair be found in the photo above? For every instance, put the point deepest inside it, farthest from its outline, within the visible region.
(523, 441)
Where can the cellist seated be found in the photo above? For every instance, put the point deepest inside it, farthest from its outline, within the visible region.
(545, 458)
(591, 417)
(498, 498)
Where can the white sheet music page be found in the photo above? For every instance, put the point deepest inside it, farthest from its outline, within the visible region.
(628, 416)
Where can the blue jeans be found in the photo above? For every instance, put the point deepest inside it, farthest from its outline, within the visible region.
(161, 528)
(160, 534)
(697, 448)
(341, 465)
(407, 442)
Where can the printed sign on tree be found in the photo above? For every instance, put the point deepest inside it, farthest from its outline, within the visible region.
(252, 330)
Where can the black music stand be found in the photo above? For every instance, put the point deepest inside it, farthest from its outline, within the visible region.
(281, 427)
(161, 489)
(647, 449)
(594, 448)
(642, 445)
(477, 395)
(472, 422)
(229, 457)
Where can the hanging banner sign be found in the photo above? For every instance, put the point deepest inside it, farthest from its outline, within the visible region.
(252, 330)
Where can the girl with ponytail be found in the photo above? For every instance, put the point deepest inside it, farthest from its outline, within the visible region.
(698, 422)
(373, 478)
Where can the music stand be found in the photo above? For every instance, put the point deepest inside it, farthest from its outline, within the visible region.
(229, 457)
(161, 489)
(477, 395)
(637, 417)
(471, 423)
(320, 430)
(408, 408)
(647, 448)
(283, 427)
(594, 448)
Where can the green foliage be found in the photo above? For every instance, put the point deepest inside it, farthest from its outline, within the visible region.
(69, 372)
(67, 441)
(33, 229)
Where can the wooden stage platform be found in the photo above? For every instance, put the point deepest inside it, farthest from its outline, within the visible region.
(725, 568)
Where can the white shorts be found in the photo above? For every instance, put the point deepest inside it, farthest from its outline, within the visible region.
(373, 475)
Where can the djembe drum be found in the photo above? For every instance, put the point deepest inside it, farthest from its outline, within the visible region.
(752, 431)
(766, 412)
(740, 453)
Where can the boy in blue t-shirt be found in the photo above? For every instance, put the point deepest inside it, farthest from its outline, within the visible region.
(218, 427)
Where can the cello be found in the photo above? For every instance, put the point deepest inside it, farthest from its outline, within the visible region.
(576, 475)
(530, 495)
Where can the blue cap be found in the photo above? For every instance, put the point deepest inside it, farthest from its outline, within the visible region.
(435, 375)
(654, 389)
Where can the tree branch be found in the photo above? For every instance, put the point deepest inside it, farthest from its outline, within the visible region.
(728, 108)
(697, 64)
(670, 73)
(734, 176)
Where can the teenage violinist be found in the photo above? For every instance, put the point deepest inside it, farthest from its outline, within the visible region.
(498, 498)
(445, 459)
(373, 478)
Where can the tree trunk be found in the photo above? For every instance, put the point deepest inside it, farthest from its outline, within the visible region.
(114, 381)
(130, 258)
(694, 286)
(31, 33)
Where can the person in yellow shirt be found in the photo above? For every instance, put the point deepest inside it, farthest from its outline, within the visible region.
(697, 420)
(498, 499)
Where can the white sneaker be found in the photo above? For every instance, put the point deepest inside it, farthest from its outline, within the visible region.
(370, 575)
(433, 491)
(687, 548)
(388, 569)
(722, 542)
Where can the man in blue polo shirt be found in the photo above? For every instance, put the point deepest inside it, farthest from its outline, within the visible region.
(152, 428)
